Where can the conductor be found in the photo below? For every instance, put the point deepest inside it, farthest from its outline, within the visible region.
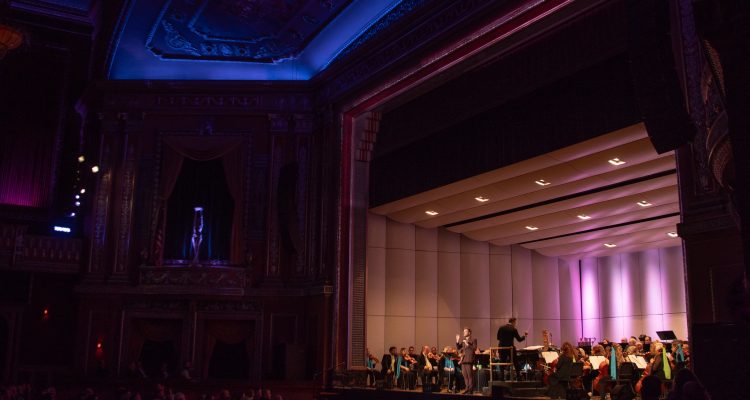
(505, 336)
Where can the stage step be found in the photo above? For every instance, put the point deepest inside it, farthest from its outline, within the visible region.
(528, 392)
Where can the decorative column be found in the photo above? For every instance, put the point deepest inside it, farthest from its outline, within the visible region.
(125, 166)
(715, 210)
(102, 199)
(278, 126)
(364, 134)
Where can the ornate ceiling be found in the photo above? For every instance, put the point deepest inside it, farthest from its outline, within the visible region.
(240, 39)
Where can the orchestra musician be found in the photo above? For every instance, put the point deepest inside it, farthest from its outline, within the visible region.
(451, 368)
(467, 347)
(603, 382)
(389, 366)
(427, 367)
(588, 377)
(371, 362)
(408, 370)
(656, 366)
(546, 340)
(561, 367)
(434, 355)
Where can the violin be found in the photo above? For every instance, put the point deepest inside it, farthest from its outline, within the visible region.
(410, 359)
(373, 358)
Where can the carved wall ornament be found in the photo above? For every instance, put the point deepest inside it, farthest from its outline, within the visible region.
(238, 30)
(218, 277)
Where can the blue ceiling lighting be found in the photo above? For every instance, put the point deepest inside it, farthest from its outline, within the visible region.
(238, 39)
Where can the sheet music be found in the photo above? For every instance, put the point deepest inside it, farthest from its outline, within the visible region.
(550, 356)
(596, 361)
(639, 361)
(533, 348)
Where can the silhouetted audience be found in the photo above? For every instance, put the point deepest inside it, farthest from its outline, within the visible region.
(651, 388)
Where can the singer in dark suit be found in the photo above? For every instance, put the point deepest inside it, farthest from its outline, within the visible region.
(467, 347)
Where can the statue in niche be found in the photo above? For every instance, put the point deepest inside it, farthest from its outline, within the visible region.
(197, 238)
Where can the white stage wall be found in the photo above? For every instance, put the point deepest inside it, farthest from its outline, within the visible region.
(424, 285)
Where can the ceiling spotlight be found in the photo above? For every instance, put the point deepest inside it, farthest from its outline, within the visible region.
(532, 227)
(643, 203)
(78, 196)
(431, 212)
(610, 245)
(77, 203)
(95, 169)
(672, 234)
(81, 158)
(542, 182)
(83, 190)
(616, 161)
(481, 199)
(72, 214)
(584, 216)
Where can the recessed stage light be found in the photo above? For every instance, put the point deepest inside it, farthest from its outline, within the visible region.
(610, 245)
(616, 161)
(532, 227)
(81, 159)
(83, 190)
(77, 203)
(78, 196)
(431, 212)
(672, 234)
(584, 216)
(481, 199)
(542, 182)
(95, 169)
(643, 203)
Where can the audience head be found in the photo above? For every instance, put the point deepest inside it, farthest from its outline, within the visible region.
(597, 350)
(682, 377)
(650, 388)
(694, 391)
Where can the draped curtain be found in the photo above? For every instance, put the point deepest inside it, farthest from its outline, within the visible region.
(201, 148)
(153, 330)
(25, 169)
(230, 332)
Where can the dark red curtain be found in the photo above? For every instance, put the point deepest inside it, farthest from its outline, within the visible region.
(231, 332)
(234, 172)
(201, 148)
(25, 169)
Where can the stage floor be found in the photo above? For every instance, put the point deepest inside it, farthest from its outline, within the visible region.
(398, 394)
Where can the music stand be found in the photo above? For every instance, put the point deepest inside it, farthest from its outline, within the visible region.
(665, 336)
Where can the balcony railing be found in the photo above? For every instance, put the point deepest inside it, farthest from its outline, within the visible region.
(22, 251)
